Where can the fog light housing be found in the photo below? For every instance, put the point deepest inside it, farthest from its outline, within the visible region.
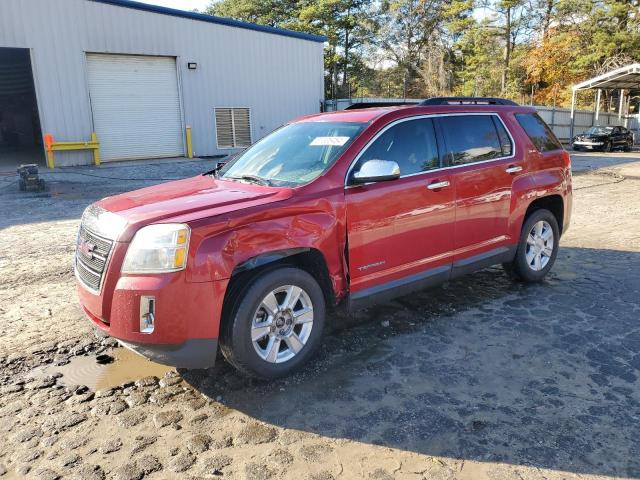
(147, 314)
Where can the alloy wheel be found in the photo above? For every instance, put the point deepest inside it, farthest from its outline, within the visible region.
(282, 323)
(540, 244)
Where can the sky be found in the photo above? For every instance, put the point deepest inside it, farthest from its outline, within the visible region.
(180, 4)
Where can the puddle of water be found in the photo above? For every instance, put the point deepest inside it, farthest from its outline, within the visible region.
(126, 367)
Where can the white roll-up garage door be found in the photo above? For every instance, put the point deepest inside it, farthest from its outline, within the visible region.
(136, 106)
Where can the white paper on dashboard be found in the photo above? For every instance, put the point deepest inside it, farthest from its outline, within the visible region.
(329, 141)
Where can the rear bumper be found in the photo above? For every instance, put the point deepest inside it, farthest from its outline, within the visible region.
(196, 353)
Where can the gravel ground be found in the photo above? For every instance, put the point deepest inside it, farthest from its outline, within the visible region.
(481, 378)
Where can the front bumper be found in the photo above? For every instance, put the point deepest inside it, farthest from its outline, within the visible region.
(186, 315)
(196, 353)
(586, 143)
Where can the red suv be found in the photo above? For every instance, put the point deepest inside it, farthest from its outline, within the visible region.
(348, 208)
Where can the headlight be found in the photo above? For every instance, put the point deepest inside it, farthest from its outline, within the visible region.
(157, 249)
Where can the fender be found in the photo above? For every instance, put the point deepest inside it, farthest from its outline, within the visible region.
(522, 194)
(541, 184)
(266, 258)
(268, 236)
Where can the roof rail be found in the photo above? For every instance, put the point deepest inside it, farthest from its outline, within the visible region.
(359, 105)
(467, 101)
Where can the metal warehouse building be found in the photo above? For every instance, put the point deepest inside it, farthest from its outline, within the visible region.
(139, 75)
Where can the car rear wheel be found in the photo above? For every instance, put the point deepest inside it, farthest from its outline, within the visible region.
(608, 147)
(276, 324)
(537, 248)
(628, 147)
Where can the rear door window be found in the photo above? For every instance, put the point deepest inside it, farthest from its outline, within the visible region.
(473, 138)
(538, 132)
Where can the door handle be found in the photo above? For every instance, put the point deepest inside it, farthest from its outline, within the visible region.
(513, 169)
(437, 185)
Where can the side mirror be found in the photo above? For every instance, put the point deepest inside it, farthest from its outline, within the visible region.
(376, 171)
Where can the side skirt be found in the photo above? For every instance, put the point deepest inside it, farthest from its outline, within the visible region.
(397, 288)
(428, 278)
(483, 260)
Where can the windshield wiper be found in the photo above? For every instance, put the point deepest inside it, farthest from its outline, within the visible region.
(216, 170)
(253, 179)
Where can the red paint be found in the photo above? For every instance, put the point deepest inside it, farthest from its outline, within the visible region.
(410, 233)
(391, 229)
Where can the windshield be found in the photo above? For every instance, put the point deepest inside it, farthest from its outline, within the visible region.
(599, 131)
(292, 155)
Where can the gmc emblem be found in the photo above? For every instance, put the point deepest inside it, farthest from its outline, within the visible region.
(86, 248)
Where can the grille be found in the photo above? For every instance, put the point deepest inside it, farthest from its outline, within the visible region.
(92, 253)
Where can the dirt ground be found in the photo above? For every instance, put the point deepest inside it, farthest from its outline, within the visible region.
(481, 378)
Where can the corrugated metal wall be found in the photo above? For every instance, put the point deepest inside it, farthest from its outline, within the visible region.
(278, 77)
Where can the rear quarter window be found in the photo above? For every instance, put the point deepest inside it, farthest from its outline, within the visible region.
(538, 132)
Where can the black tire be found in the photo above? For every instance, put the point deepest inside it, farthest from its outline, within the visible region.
(575, 148)
(520, 268)
(235, 335)
(608, 147)
(628, 147)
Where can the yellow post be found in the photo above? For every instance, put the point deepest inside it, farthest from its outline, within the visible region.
(96, 150)
(50, 161)
(189, 143)
(53, 146)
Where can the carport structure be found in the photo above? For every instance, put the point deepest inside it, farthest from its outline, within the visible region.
(625, 79)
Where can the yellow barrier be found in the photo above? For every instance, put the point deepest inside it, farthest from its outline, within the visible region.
(189, 143)
(53, 146)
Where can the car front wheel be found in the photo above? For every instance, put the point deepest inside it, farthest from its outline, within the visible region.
(537, 248)
(276, 324)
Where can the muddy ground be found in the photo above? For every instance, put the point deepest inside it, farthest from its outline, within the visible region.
(481, 378)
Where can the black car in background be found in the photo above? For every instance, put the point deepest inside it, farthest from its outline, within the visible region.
(606, 139)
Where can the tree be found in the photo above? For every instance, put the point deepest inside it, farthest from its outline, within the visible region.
(274, 13)
(579, 39)
(440, 64)
(476, 50)
(348, 26)
(416, 36)
(407, 26)
(418, 48)
(510, 21)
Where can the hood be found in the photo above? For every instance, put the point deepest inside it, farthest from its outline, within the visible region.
(196, 197)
